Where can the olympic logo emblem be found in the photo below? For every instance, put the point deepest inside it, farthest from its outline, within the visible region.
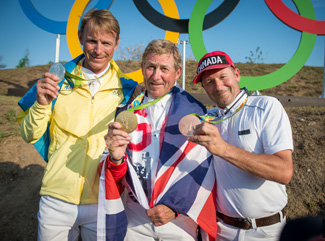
(199, 21)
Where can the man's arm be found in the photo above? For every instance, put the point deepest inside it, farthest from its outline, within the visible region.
(117, 171)
(137, 91)
(276, 167)
(47, 89)
(116, 142)
(35, 122)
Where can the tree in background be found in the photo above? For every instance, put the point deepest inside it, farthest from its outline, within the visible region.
(130, 53)
(255, 57)
(24, 62)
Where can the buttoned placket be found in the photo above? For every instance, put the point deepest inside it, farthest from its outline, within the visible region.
(157, 114)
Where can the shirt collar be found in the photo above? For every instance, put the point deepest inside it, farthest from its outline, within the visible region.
(236, 103)
(91, 75)
(231, 108)
(161, 103)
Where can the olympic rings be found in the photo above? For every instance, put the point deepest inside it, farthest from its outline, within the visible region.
(300, 57)
(56, 27)
(194, 28)
(302, 54)
(71, 26)
(181, 25)
(170, 9)
(198, 22)
(294, 20)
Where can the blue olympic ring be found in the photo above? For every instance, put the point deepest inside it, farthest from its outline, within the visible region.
(57, 27)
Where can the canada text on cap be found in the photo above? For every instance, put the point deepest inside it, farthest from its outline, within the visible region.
(213, 60)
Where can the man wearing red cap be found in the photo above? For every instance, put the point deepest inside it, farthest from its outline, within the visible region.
(251, 140)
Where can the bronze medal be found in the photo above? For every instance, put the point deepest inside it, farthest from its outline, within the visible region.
(187, 125)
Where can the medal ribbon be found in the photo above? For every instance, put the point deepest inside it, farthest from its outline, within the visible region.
(76, 80)
(213, 119)
(136, 103)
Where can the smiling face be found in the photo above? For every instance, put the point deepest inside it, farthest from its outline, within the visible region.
(159, 74)
(98, 47)
(221, 85)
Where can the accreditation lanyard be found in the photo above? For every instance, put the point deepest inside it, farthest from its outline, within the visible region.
(213, 119)
(76, 80)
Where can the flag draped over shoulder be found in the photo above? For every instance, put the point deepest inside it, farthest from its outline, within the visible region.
(30, 97)
(185, 179)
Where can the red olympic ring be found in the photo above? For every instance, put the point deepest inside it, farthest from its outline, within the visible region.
(295, 20)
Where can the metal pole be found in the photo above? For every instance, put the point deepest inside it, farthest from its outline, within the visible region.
(183, 74)
(57, 49)
(323, 94)
(184, 57)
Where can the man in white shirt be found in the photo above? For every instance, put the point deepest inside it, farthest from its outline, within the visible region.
(176, 177)
(251, 140)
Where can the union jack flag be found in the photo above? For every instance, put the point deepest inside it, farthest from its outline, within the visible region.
(185, 180)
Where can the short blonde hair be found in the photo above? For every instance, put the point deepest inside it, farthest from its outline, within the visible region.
(162, 46)
(101, 20)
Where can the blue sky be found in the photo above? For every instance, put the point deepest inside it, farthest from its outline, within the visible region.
(250, 25)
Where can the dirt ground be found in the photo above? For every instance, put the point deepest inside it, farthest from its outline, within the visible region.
(21, 168)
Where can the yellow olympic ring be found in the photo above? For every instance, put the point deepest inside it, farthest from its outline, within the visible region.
(73, 25)
(168, 6)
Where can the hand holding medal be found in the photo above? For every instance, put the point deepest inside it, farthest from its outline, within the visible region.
(188, 124)
(58, 70)
(128, 120)
(47, 87)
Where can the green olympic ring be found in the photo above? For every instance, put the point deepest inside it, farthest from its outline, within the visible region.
(267, 81)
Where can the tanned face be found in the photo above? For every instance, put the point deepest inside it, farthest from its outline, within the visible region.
(98, 47)
(221, 85)
(159, 74)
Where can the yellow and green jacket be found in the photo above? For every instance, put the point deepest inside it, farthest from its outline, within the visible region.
(69, 133)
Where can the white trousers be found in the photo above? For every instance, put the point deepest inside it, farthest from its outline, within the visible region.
(267, 233)
(59, 220)
(140, 228)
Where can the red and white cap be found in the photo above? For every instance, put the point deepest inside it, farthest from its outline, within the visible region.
(213, 60)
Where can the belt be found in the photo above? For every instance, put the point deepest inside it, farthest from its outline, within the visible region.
(246, 223)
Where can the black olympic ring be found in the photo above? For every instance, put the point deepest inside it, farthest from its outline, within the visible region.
(181, 25)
